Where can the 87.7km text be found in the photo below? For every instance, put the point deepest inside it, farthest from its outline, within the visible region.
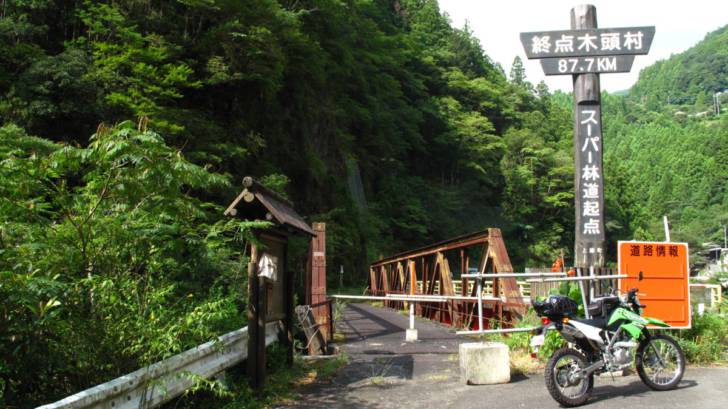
(583, 65)
(587, 64)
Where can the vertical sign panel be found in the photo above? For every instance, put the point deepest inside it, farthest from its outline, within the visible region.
(584, 52)
(660, 271)
(589, 185)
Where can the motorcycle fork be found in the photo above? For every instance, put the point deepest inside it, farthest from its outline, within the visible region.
(648, 337)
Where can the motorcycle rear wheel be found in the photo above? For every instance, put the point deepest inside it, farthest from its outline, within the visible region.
(561, 381)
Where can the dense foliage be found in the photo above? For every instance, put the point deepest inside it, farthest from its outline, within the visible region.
(687, 80)
(670, 157)
(107, 262)
(375, 116)
(389, 123)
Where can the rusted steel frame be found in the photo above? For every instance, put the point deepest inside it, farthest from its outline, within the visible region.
(443, 276)
(462, 307)
(457, 306)
(502, 264)
(482, 264)
(435, 270)
(423, 269)
(398, 286)
(412, 271)
(439, 247)
(372, 281)
(446, 285)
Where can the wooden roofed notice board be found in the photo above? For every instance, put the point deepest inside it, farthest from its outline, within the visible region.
(660, 271)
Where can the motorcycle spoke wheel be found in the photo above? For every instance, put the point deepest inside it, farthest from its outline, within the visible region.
(661, 362)
(566, 374)
(563, 377)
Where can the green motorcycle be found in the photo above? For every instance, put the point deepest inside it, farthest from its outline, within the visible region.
(611, 340)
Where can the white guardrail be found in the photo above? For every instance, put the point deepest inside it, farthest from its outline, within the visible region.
(162, 381)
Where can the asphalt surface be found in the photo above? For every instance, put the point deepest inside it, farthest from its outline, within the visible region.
(386, 372)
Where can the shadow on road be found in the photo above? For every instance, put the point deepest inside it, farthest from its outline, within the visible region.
(382, 328)
(636, 388)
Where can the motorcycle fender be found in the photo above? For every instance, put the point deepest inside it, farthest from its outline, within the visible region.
(539, 337)
(655, 321)
(588, 331)
(633, 330)
(537, 342)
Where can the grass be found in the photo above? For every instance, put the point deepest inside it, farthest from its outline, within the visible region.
(348, 290)
(282, 384)
(519, 345)
(438, 377)
(523, 364)
(377, 380)
(706, 343)
(339, 337)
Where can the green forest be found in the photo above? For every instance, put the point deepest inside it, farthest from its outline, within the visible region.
(127, 126)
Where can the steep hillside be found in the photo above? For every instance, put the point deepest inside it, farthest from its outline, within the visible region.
(377, 117)
(661, 161)
(689, 78)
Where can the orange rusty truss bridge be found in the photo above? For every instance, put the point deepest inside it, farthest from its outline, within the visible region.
(427, 271)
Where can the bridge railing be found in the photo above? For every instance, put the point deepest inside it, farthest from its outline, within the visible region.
(523, 286)
(162, 381)
(438, 270)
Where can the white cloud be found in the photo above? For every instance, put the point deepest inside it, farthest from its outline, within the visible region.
(679, 26)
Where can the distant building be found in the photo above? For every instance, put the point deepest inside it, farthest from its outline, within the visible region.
(717, 260)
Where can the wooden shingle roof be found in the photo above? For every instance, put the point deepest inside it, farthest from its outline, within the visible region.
(277, 207)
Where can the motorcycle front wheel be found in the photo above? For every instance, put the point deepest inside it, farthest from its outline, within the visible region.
(563, 380)
(660, 362)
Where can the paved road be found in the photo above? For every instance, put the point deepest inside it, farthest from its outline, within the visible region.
(386, 372)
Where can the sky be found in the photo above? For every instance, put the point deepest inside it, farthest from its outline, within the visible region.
(497, 23)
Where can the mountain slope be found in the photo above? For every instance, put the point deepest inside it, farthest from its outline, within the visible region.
(660, 161)
(690, 77)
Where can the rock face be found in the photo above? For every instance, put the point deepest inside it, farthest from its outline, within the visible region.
(484, 363)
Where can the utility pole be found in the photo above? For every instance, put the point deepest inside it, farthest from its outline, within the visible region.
(716, 102)
(723, 254)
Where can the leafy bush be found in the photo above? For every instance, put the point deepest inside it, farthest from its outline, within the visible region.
(108, 262)
(707, 340)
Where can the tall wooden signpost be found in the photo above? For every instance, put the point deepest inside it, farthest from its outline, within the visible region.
(584, 52)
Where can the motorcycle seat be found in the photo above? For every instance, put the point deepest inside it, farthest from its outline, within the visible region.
(598, 322)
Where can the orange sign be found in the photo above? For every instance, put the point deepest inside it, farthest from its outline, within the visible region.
(660, 271)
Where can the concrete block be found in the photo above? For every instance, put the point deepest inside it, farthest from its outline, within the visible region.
(484, 363)
(411, 335)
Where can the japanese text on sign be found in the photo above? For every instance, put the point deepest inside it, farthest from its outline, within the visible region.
(587, 42)
(614, 41)
(650, 250)
(590, 181)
